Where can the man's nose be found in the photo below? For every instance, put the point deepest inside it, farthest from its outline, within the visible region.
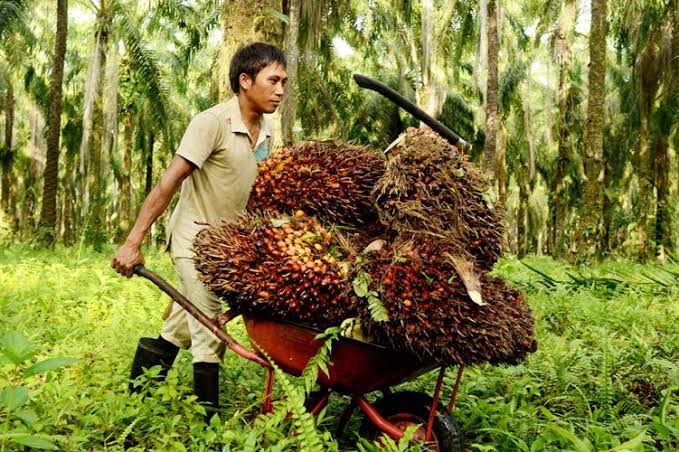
(280, 90)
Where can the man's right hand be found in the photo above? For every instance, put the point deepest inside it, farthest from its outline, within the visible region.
(126, 258)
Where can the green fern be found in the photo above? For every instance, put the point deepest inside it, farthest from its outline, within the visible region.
(361, 285)
(308, 436)
(321, 359)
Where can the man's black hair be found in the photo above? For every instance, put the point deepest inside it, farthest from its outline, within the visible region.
(251, 59)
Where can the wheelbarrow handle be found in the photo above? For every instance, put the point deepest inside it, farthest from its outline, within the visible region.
(199, 315)
(417, 112)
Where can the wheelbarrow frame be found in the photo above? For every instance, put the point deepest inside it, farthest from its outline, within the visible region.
(217, 327)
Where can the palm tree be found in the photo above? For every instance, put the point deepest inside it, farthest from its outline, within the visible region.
(239, 27)
(589, 230)
(48, 209)
(490, 153)
(650, 47)
(15, 36)
(288, 110)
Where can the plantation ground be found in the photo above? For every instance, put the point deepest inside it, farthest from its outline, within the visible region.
(606, 375)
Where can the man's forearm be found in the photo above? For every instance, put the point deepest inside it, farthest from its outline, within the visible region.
(158, 199)
(154, 205)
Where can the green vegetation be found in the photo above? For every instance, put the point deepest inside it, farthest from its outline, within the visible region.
(606, 375)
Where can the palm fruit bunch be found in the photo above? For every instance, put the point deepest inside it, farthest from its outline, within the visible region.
(430, 313)
(429, 185)
(288, 268)
(330, 181)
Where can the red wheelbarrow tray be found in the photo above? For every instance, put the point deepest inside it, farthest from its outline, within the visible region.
(357, 367)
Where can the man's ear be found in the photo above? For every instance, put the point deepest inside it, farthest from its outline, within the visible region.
(245, 81)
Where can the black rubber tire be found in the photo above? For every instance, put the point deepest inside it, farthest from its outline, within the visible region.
(417, 404)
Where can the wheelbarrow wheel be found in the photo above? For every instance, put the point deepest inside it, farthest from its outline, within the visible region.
(410, 408)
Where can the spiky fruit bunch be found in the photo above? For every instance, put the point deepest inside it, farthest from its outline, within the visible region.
(331, 181)
(429, 185)
(289, 269)
(431, 314)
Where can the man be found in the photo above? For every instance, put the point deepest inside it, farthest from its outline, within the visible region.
(216, 165)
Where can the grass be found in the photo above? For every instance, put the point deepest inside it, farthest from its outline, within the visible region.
(605, 377)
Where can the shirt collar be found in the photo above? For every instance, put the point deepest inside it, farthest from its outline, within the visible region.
(238, 126)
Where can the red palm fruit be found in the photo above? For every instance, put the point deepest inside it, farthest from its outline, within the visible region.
(330, 181)
(234, 264)
(446, 326)
(429, 185)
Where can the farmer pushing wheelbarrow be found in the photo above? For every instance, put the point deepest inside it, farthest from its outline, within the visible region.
(216, 166)
(422, 291)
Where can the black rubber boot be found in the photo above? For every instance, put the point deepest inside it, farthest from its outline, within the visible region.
(206, 386)
(152, 352)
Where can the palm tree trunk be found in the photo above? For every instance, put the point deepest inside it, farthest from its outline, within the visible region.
(607, 203)
(521, 221)
(483, 48)
(289, 105)
(8, 153)
(49, 198)
(91, 83)
(125, 186)
(238, 29)
(558, 185)
(149, 165)
(663, 220)
(490, 158)
(589, 231)
(96, 220)
(501, 164)
(647, 90)
(426, 91)
(70, 214)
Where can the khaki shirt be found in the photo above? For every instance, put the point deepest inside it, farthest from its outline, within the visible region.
(217, 142)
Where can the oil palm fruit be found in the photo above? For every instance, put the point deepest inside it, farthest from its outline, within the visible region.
(330, 181)
(429, 185)
(289, 268)
(430, 312)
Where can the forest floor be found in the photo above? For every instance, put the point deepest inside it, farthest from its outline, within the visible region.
(605, 376)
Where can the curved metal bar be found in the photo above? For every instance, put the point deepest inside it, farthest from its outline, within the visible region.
(376, 418)
(417, 112)
(434, 404)
(199, 315)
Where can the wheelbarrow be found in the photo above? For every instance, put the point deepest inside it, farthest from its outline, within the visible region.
(357, 369)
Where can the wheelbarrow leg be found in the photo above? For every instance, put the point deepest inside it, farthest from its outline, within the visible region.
(434, 403)
(451, 406)
(322, 401)
(268, 389)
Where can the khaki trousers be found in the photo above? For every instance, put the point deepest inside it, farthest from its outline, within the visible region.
(181, 328)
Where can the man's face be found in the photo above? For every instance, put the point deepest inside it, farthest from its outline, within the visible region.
(266, 91)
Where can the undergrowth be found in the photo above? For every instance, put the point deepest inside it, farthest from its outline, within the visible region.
(605, 377)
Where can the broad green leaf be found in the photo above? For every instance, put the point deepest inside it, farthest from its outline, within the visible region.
(35, 442)
(580, 445)
(13, 397)
(361, 284)
(281, 16)
(49, 364)
(16, 347)
(636, 443)
(27, 415)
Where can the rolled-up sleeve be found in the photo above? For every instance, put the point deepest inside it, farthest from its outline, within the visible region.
(200, 139)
